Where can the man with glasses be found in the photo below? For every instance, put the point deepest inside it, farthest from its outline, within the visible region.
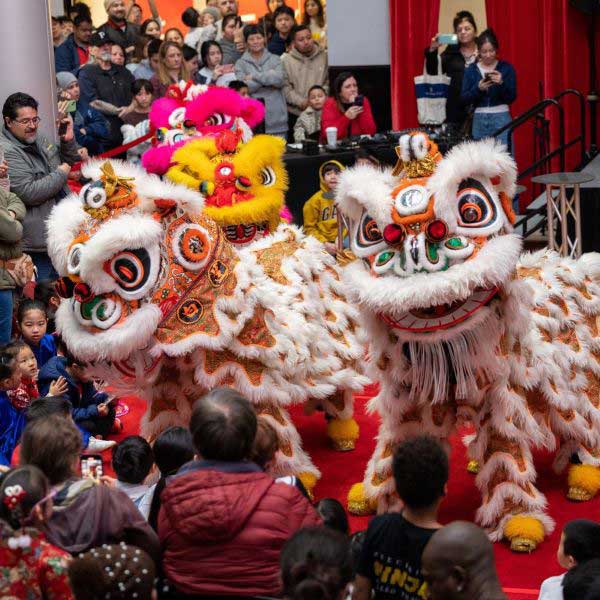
(38, 171)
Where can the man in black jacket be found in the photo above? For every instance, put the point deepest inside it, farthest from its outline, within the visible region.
(107, 87)
(118, 29)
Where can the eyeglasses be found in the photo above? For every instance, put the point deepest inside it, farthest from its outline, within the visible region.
(33, 121)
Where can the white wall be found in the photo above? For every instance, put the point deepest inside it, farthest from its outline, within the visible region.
(57, 8)
(358, 32)
(27, 56)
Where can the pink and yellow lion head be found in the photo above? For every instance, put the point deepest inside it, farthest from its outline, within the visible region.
(191, 111)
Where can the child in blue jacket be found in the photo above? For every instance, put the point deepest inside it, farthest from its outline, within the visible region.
(91, 409)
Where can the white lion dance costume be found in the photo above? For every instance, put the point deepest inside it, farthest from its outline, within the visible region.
(157, 293)
(461, 326)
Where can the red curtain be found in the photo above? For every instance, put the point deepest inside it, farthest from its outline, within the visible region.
(547, 45)
(413, 24)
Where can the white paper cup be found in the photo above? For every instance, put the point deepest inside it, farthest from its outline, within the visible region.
(331, 134)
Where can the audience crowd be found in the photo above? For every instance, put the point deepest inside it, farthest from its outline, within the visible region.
(196, 512)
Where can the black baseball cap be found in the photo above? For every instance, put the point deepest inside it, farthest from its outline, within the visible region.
(99, 39)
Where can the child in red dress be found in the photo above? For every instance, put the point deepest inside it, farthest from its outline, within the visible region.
(31, 567)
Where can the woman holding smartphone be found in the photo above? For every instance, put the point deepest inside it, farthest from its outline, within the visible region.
(490, 86)
(347, 110)
(214, 72)
(458, 55)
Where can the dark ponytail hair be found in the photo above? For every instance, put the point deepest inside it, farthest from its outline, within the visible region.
(172, 449)
(316, 564)
(487, 37)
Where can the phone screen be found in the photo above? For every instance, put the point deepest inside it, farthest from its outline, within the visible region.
(72, 106)
(91, 466)
(359, 100)
(447, 38)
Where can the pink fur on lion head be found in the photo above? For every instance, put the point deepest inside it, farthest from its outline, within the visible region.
(206, 114)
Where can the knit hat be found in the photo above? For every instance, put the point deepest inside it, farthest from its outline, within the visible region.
(64, 79)
(115, 571)
(213, 11)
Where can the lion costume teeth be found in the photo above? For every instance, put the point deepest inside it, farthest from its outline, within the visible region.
(460, 323)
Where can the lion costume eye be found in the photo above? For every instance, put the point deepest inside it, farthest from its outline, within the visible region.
(368, 232)
(130, 269)
(215, 119)
(267, 176)
(94, 195)
(475, 208)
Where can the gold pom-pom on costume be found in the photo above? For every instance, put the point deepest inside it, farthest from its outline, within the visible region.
(524, 533)
(343, 433)
(358, 503)
(584, 482)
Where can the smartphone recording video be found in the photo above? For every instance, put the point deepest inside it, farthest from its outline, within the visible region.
(359, 100)
(91, 466)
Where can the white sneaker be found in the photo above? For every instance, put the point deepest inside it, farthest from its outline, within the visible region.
(96, 445)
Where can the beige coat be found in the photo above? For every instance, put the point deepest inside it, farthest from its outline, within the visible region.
(300, 74)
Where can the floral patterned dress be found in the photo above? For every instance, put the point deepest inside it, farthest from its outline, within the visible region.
(33, 570)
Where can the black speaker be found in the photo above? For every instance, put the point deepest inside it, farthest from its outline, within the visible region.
(589, 7)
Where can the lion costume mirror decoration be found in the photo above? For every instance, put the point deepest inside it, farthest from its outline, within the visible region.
(461, 325)
(167, 308)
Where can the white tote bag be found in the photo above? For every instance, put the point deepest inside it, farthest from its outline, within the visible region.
(432, 92)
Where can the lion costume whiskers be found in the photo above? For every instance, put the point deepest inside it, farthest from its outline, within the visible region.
(462, 327)
(158, 298)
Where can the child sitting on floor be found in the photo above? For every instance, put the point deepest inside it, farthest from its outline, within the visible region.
(172, 449)
(132, 461)
(32, 318)
(420, 468)
(308, 125)
(92, 409)
(31, 567)
(264, 449)
(579, 542)
(27, 391)
(320, 212)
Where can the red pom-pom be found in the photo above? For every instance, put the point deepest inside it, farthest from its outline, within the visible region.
(495, 180)
(437, 230)
(393, 234)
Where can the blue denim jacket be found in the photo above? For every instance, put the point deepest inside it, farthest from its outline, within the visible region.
(505, 93)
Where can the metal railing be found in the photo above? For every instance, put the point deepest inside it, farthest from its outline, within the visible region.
(543, 156)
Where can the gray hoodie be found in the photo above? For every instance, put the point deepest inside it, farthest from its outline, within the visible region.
(36, 180)
(267, 85)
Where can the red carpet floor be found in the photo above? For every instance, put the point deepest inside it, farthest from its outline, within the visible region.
(521, 575)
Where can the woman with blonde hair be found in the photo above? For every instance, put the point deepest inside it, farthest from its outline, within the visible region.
(171, 68)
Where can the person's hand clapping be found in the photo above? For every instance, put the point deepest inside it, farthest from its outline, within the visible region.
(434, 45)
(353, 112)
(102, 410)
(65, 168)
(58, 387)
